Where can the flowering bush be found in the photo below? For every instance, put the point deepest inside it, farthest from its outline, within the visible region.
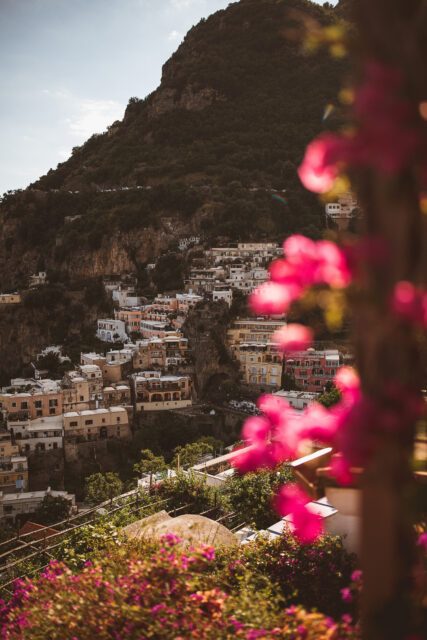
(153, 592)
(311, 575)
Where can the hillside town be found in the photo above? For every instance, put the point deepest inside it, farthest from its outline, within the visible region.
(145, 367)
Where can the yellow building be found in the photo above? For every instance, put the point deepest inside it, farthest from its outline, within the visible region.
(260, 364)
(250, 342)
(13, 467)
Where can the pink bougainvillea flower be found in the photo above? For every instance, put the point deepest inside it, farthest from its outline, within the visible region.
(333, 267)
(269, 439)
(293, 337)
(272, 298)
(388, 136)
(341, 470)
(318, 170)
(410, 303)
(292, 501)
(347, 382)
(319, 423)
(422, 541)
(357, 575)
(346, 595)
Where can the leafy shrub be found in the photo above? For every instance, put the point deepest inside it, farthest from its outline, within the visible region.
(158, 591)
(311, 575)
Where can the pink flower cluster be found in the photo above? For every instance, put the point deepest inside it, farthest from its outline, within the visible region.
(410, 303)
(387, 138)
(352, 427)
(307, 263)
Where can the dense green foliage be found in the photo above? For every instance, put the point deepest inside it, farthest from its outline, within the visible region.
(52, 509)
(311, 575)
(102, 486)
(251, 495)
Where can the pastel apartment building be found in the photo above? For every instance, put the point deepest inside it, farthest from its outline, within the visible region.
(155, 392)
(259, 330)
(117, 395)
(260, 364)
(160, 353)
(97, 424)
(312, 369)
(76, 394)
(111, 330)
(29, 406)
(42, 434)
(155, 329)
(131, 316)
(257, 252)
(113, 370)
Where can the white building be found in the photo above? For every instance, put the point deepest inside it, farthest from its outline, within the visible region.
(42, 434)
(126, 296)
(38, 279)
(343, 211)
(16, 504)
(185, 243)
(298, 400)
(110, 330)
(223, 293)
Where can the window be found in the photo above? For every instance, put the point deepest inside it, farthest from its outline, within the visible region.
(52, 411)
(82, 398)
(13, 404)
(39, 413)
(118, 419)
(88, 422)
(73, 424)
(38, 404)
(24, 405)
(53, 403)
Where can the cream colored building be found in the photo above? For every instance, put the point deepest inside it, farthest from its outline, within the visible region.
(154, 392)
(117, 395)
(97, 424)
(252, 330)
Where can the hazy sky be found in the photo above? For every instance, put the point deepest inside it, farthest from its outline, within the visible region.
(68, 68)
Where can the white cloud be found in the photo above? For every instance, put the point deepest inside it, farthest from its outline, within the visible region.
(93, 116)
(174, 36)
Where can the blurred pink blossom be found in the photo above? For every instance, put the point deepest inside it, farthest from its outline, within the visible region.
(291, 500)
(293, 337)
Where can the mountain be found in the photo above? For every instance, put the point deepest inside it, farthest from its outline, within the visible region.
(237, 103)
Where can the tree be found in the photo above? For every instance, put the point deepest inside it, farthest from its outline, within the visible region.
(52, 509)
(329, 398)
(150, 463)
(251, 495)
(101, 487)
(190, 454)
